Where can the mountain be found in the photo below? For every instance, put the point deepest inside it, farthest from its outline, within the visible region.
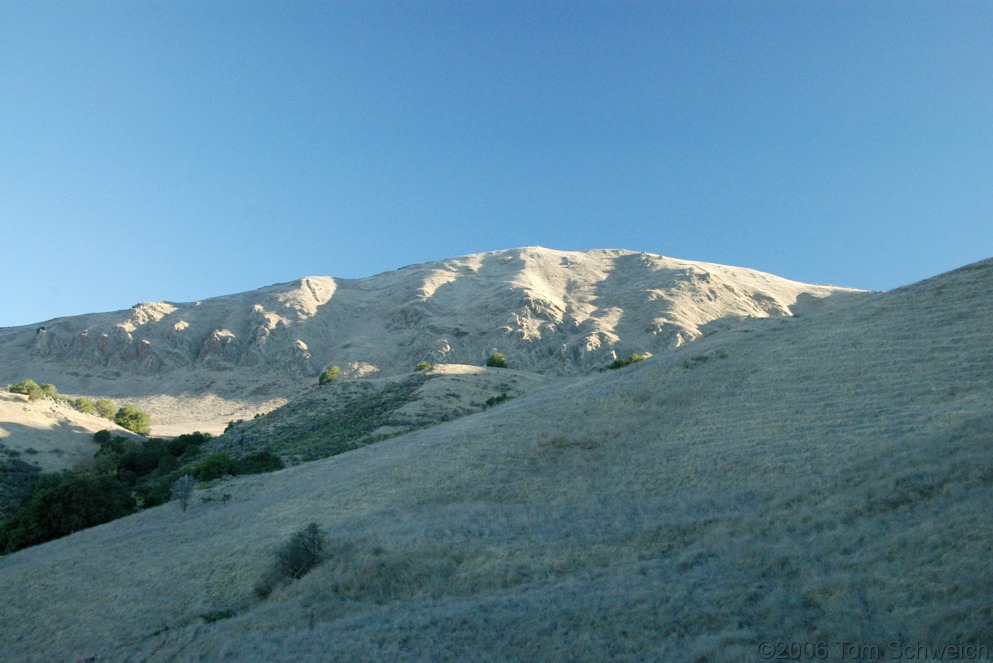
(823, 478)
(202, 364)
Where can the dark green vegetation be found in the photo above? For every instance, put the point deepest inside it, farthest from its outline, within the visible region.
(496, 360)
(17, 478)
(120, 478)
(33, 390)
(105, 408)
(316, 427)
(496, 400)
(622, 362)
(306, 549)
(61, 504)
(134, 419)
(330, 375)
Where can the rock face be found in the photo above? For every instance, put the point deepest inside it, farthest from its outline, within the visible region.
(551, 312)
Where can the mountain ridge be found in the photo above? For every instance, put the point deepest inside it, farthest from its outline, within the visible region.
(547, 311)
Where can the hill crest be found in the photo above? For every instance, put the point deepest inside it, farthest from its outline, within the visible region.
(550, 312)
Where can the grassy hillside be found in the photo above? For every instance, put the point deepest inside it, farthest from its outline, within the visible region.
(346, 414)
(827, 478)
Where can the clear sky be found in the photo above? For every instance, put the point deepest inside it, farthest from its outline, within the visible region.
(169, 150)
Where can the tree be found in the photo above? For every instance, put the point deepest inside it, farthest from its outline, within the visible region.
(182, 489)
(215, 466)
(497, 360)
(29, 388)
(302, 552)
(105, 408)
(63, 504)
(330, 375)
(134, 419)
(84, 405)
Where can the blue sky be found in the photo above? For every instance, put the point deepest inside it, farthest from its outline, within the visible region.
(170, 150)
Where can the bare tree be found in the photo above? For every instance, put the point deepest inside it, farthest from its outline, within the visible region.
(182, 489)
(305, 550)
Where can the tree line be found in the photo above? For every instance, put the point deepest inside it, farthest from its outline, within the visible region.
(129, 417)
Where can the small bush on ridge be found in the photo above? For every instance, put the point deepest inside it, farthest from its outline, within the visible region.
(330, 375)
(496, 360)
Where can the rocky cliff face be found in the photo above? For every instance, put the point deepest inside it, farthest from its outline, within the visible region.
(547, 311)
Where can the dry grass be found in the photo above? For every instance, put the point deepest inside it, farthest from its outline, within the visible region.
(198, 365)
(827, 477)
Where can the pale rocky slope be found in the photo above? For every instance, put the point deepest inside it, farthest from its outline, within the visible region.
(821, 478)
(201, 364)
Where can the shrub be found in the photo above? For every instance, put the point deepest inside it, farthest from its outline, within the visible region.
(145, 459)
(496, 400)
(260, 462)
(187, 442)
(306, 549)
(621, 363)
(496, 360)
(330, 375)
(134, 419)
(182, 489)
(29, 388)
(105, 408)
(215, 466)
(422, 366)
(84, 405)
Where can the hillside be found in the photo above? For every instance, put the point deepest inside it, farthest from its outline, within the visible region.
(42, 435)
(346, 414)
(825, 477)
(199, 365)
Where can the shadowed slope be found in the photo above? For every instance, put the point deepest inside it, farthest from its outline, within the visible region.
(818, 478)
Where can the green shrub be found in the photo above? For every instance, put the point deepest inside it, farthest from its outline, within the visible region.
(258, 463)
(422, 366)
(134, 419)
(84, 405)
(231, 424)
(182, 444)
(621, 363)
(105, 408)
(330, 375)
(152, 494)
(215, 466)
(496, 400)
(146, 458)
(29, 388)
(496, 360)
